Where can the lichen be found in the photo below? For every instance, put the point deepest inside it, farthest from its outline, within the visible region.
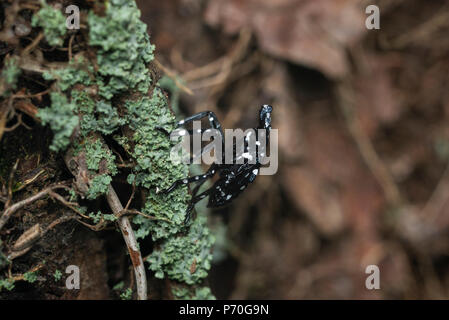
(154, 170)
(108, 118)
(95, 153)
(98, 186)
(186, 259)
(120, 93)
(30, 277)
(123, 48)
(11, 72)
(127, 294)
(53, 23)
(57, 275)
(7, 284)
(76, 72)
(61, 118)
(200, 293)
(97, 217)
(9, 76)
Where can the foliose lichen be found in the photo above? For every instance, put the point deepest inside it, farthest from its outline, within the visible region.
(61, 118)
(95, 153)
(186, 259)
(154, 170)
(200, 293)
(76, 72)
(7, 284)
(30, 277)
(123, 48)
(53, 23)
(112, 96)
(9, 76)
(98, 186)
(57, 275)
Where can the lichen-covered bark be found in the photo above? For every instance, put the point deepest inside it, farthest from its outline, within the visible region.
(103, 106)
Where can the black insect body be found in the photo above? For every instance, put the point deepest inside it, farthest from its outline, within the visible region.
(233, 178)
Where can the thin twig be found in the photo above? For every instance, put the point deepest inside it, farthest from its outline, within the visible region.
(9, 211)
(136, 212)
(131, 242)
(22, 276)
(68, 204)
(33, 44)
(172, 75)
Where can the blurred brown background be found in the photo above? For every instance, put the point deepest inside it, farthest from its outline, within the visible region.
(363, 139)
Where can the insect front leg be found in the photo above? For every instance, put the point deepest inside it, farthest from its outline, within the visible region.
(214, 123)
(192, 203)
(199, 178)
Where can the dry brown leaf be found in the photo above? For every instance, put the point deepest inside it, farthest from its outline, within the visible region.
(313, 33)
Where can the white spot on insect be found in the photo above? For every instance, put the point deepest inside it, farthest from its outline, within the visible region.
(182, 132)
(213, 171)
(211, 119)
(181, 122)
(184, 181)
(257, 143)
(196, 178)
(242, 187)
(247, 156)
(199, 130)
(202, 196)
(229, 196)
(256, 172)
(205, 176)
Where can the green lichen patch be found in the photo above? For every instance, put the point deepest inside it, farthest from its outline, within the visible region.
(123, 46)
(7, 284)
(11, 71)
(95, 153)
(61, 118)
(108, 118)
(98, 186)
(97, 217)
(30, 277)
(199, 293)
(57, 275)
(185, 259)
(53, 23)
(154, 169)
(76, 72)
(113, 99)
(9, 76)
(127, 294)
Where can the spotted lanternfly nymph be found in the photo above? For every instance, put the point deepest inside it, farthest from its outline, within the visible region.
(233, 178)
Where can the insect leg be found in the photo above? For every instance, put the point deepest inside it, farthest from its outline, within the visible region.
(198, 178)
(194, 200)
(214, 123)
